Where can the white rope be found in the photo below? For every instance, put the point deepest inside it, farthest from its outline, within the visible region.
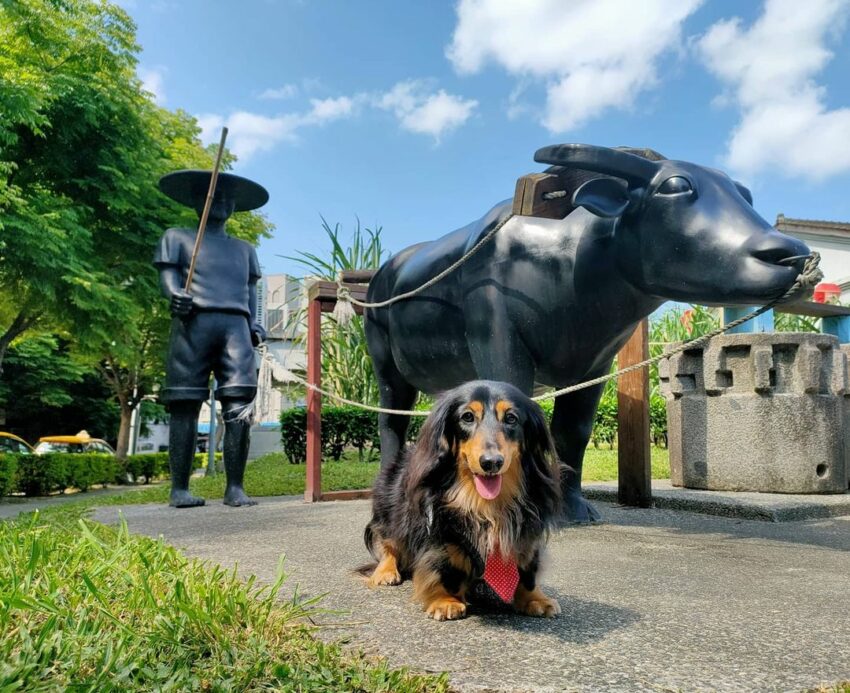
(282, 373)
(343, 293)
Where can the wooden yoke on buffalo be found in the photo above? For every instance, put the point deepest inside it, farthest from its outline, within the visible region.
(321, 296)
(529, 200)
(634, 463)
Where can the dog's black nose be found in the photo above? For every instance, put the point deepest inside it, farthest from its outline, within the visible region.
(491, 462)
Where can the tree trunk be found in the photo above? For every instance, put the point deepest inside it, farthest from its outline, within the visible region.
(122, 447)
(19, 325)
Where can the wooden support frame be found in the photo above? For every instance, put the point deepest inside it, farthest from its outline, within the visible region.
(321, 298)
(634, 461)
(633, 417)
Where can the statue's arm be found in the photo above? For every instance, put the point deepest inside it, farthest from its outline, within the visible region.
(171, 285)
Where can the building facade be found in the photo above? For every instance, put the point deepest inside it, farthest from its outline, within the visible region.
(832, 240)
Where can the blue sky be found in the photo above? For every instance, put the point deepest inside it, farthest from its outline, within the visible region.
(419, 116)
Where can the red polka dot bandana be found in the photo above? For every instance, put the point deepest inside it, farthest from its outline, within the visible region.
(502, 576)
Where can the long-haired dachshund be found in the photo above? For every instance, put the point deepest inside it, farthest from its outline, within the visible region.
(472, 501)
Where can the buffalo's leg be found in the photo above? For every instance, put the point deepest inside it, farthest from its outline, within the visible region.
(393, 427)
(572, 424)
(394, 391)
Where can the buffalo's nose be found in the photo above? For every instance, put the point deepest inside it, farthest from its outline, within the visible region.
(491, 462)
(778, 249)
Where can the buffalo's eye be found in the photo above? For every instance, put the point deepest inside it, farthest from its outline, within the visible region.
(468, 417)
(675, 185)
(511, 419)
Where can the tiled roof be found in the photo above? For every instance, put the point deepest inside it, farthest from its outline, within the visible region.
(840, 229)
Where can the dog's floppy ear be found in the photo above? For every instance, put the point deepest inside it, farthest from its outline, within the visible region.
(432, 457)
(540, 460)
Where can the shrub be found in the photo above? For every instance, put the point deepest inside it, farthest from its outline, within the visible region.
(342, 427)
(293, 434)
(147, 466)
(8, 472)
(605, 423)
(84, 470)
(39, 475)
(152, 466)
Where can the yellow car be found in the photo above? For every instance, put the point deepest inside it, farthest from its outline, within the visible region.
(82, 442)
(9, 442)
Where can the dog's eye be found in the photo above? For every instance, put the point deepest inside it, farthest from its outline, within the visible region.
(511, 419)
(468, 417)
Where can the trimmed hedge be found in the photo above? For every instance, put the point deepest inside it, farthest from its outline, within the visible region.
(342, 427)
(39, 475)
(8, 473)
(152, 466)
(147, 466)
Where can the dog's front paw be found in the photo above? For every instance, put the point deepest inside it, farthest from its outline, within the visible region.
(385, 576)
(535, 603)
(446, 609)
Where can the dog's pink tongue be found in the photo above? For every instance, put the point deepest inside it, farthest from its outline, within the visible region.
(488, 486)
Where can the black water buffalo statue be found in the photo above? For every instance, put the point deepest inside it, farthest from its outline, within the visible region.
(551, 301)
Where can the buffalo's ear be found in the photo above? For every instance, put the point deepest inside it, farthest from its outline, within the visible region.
(745, 192)
(605, 197)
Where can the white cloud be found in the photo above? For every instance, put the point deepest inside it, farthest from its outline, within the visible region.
(592, 55)
(424, 112)
(769, 70)
(250, 133)
(287, 91)
(152, 81)
(331, 109)
(418, 110)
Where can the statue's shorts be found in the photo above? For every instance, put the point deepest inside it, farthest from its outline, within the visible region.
(210, 342)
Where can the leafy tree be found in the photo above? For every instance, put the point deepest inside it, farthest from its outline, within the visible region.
(81, 148)
(47, 391)
(71, 142)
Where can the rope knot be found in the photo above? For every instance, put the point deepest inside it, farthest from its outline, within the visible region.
(343, 310)
(810, 276)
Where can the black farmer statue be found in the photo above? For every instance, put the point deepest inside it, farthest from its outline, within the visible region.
(214, 327)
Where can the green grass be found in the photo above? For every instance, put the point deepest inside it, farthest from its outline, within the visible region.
(601, 465)
(92, 608)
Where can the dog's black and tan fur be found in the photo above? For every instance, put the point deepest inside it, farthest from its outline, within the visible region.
(431, 523)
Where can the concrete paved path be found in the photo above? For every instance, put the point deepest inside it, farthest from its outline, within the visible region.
(653, 600)
(12, 506)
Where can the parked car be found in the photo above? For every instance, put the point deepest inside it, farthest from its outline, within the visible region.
(9, 442)
(82, 442)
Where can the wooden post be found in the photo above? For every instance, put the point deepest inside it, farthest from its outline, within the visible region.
(313, 487)
(633, 456)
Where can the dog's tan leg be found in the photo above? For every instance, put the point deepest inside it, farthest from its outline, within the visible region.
(439, 583)
(535, 603)
(387, 572)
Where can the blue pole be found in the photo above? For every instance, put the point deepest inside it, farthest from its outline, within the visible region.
(762, 323)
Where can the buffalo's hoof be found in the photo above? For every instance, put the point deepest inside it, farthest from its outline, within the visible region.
(184, 499)
(577, 510)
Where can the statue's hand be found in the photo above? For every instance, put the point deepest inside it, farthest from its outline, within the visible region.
(181, 304)
(258, 334)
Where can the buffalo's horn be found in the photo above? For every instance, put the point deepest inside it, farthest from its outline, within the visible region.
(634, 169)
